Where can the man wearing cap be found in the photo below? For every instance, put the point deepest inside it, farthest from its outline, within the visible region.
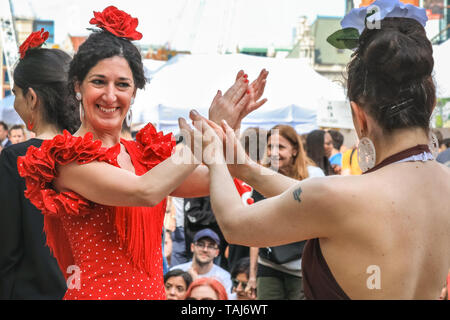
(205, 248)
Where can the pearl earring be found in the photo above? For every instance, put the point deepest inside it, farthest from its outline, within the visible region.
(79, 98)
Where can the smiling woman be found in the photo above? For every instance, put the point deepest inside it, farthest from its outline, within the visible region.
(104, 197)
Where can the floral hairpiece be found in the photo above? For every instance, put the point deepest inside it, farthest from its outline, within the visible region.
(117, 22)
(34, 40)
(358, 19)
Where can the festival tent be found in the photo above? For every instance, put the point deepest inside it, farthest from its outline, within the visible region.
(151, 66)
(7, 112)
(294, 90)
(441, 54)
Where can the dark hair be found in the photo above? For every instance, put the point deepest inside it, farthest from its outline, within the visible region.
(46, 71)
(446, 142)
(242, 266)
(17, 127)
(390, 75)
(338, 139)
(4, 125)
(315, 150)
(179, 273)
(254, 142)
(103, 45)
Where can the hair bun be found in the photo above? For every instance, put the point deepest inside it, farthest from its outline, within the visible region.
(397, 52)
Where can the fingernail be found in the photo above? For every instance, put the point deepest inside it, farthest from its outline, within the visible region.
(248, 91)
(246, 81)
(245, 76)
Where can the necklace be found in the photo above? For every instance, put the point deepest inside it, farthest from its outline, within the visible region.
(418, 153)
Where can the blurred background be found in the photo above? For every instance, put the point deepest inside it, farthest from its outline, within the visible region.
(192, 48)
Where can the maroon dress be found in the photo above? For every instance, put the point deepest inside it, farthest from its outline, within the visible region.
(318, 280)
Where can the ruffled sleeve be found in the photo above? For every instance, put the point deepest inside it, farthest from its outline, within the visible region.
(39, 168)
(154, 147)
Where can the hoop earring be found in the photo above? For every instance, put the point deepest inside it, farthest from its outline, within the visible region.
(366, 154)
(433, 144)
(129, 118)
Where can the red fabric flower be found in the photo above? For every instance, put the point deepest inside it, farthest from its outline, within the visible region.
(34, 40)
(117, 22)
(155, 146)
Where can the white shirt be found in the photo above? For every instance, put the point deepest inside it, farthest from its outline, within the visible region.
(216, 272)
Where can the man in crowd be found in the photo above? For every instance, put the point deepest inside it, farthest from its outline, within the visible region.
(205, 248)
(4, 141)
(16, 134)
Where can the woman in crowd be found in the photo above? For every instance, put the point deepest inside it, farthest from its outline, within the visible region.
(239, 277)
(278, 280)
(27, 269)
(206, 289)
(319, 143)
(104, 197)
(176, 283)
(382, 235)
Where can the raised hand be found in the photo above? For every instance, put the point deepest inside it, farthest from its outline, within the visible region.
(239, 100)
(235, 153)
(256, 90)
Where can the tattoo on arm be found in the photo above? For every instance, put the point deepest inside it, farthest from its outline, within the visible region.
(297, 194)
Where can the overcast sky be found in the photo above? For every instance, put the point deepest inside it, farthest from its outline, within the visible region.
(183, 22)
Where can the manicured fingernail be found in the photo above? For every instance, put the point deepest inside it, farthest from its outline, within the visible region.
(246, 81)
(248, 91)
(245, 76)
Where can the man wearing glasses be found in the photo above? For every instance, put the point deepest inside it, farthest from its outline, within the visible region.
(205, 248)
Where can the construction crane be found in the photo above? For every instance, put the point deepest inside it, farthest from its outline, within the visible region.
(8, 39)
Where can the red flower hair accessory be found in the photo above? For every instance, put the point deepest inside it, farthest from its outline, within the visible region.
(34, 40)
(118, 22)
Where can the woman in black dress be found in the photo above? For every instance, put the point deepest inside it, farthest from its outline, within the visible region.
(27, 269)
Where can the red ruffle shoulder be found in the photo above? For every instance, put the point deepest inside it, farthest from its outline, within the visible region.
(39, 167)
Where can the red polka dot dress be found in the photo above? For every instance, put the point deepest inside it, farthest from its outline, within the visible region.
(105, 252)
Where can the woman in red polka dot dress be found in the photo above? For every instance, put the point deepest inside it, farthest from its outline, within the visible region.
(103, 197)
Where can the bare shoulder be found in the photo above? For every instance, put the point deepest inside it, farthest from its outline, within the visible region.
(332, 200)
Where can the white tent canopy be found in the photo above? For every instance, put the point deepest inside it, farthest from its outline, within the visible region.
(151, 66)
(294, 90)
(441, 54)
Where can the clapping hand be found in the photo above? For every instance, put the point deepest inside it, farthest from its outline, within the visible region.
(240, 100)
(226, 139)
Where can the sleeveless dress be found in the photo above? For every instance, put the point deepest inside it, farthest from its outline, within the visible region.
(318, 279)
(104, 252)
